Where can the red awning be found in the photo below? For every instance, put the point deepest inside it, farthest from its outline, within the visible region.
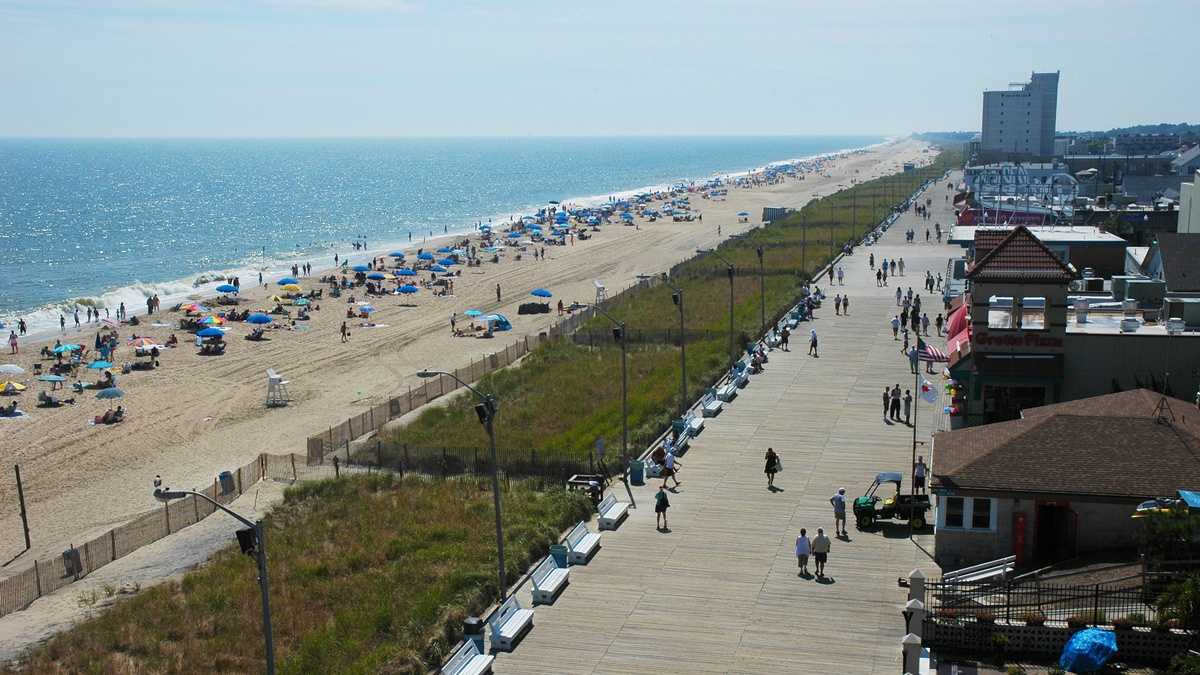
(958, 320)
(954, 342)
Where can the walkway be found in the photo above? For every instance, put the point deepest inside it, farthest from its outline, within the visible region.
(720, 593)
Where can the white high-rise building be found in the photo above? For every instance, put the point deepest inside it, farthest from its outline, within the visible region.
(1020, 121)
(1189, 207)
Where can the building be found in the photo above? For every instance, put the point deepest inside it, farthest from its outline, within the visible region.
(1022, 336)
(1062, 146)
(1020, 122)
(1044, 182)
(1061, 480)
(1082, 247)
(1145, 144)
(1187, 163)
(1189, 206)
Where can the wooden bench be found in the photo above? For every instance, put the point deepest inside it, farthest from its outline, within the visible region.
(729, 391)
(693, 424)
(582, 544)
(740, 375)
(468, 660)
(509, 624)
(611, 512)
(548, 581)
(710, 405)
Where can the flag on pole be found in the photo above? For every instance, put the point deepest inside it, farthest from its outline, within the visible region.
(930, 354)
(928, 392)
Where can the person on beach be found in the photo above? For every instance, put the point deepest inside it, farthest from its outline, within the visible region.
(21, 327)
(820, 549)
(62, 323)
(661, 504)
(12, 342)
(838, 501)
(453, 321)
(773, 466)
(803, 549)
(497, 292)
(812, 343)
(345, 332)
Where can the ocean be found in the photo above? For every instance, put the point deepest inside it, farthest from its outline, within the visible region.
(108, 221)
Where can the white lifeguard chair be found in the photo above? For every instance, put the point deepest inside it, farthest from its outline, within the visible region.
(277, 393)
(601, 291)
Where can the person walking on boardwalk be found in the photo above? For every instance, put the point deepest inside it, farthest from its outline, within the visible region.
(912, 360)
(661, 504)
(820, 549)
(784, 334)
(938, 323)
(895, 327)
(908, 401)
(899, 297)
(871, 260)
(812, 343)
(845, 305)
(671, 467)
(837, 304)
(774, 465)
(894, 411)
(879, 278)
(902, 267)
(803, 550)
(841, 272)
(887, 401)
(838, 501)
(925, 324)
(892, 265)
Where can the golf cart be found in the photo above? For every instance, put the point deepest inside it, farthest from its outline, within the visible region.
(900, 506)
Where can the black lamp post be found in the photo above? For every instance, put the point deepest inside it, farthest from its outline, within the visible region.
(619, 335)
(762, 292)
(729, 269)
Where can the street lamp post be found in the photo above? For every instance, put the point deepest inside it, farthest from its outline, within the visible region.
(762, 292)
(165, 495)
(729, 269)
(486, 410)
(619, 334)
(677, 298)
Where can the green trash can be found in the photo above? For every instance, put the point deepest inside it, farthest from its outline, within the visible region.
(637, 472)
(559, 553)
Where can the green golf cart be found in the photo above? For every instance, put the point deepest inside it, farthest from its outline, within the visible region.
(872, 507)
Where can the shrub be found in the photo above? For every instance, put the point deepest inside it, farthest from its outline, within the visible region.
(1123, 623)
(1015, 670)
(1033, 618)
(985, 616)
(1184, 664)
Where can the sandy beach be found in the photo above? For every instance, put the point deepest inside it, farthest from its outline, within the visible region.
(196, 416)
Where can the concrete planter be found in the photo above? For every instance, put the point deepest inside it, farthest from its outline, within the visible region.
(1140, 646)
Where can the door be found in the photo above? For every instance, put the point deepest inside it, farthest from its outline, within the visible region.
(1055, 536)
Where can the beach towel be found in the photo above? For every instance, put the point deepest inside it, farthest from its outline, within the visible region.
(20, 415)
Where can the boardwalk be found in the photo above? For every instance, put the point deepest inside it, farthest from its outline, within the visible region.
(720, 593)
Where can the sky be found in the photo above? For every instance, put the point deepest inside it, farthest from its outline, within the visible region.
(397, 68)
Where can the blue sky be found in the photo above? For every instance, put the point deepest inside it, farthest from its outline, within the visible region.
(305, 68)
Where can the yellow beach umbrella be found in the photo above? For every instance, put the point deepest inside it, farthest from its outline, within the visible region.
(275, 298)
(292, 288)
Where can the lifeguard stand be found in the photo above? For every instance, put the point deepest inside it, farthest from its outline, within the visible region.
(601, 291)
(277, 392)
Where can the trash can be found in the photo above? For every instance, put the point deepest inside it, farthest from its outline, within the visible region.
(559, 553)
(227, 485)
(637, 472)
(473, 631)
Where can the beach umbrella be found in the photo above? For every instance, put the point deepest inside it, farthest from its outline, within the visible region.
(293, 288)
(11, 369)
(447, 261)
(12, 388)
(227, 288)
(541, 293)
(110, 323)
(301, 302)
(743, 214)
(437, 268)
(288, 280)
(258, 318)
(376, 276)
(405, 272)
(110, 393)
(52, 378)
(1088, 650)
(208, 332)
(397, 254)
(212, 321)
(473, 312)
(367, 309)
(444, 249)
(408, 288)
(66, 348)
(361, 268)
(425, 255)
(513, 235)
(99, 365)
(627, 216)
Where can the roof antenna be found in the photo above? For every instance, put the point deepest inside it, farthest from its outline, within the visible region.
(1162, 411)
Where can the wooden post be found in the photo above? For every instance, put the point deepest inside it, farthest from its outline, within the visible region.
(336, 472)
(196, 507)
(293, 467)
(21, 501)
(37, 577)
(379, 453)
(112, 541)
(239, 475)
(167, 516)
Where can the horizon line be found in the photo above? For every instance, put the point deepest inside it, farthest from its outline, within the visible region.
(4, 137)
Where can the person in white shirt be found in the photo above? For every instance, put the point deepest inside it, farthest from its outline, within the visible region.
(919, 471)
(839, 512)
(670, 469)
(803, 549)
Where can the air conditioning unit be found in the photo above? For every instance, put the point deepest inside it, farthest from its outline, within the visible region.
(1130, 325)
(1174, 326)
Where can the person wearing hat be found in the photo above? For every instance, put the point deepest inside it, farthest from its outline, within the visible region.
(839, 512)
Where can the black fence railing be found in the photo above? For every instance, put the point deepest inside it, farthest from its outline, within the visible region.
(1131, 599)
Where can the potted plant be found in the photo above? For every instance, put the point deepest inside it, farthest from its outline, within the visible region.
(947, 613)
(1077, 621)
(1122, 623)
(1034, 618)
(985, 617)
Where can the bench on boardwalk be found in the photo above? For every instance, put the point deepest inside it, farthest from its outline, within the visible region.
(728, 391)
(582, 544)
(740, 375)
(509, 624)
(693, 424)
(653, 469)
(710, 405)
(468, 660)
(548, 581)
(611, 512)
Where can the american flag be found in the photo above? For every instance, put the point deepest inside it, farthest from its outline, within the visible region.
(929, 353)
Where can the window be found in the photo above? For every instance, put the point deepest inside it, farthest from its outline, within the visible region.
(1000, 312)
(981, 513)
(954, 512)
(1033, 313)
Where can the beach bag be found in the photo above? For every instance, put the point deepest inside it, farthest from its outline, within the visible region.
(778, 464)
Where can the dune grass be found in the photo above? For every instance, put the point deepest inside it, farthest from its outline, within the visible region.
(563, 397)
(368, 574)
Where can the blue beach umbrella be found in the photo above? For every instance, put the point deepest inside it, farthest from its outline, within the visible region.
(211, 331)
(361, 268)
(1088, 650)
(376, 276)
(444, 249)
(99, 365)
(437, 268)
(408, 288)
(425, 255)
(513, 235)
(366, 309)
(397, 254)
(473, 312)
(405, 272)
(301, 302)
(743, 214)
(627, 216)
(287, 280)
(541, 293)
(258, 318)
(52, 378)
(227, 288)
(447, 261)
(110, 393)
(66, 348)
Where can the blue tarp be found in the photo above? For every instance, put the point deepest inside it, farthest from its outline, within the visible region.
(1088, 650)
